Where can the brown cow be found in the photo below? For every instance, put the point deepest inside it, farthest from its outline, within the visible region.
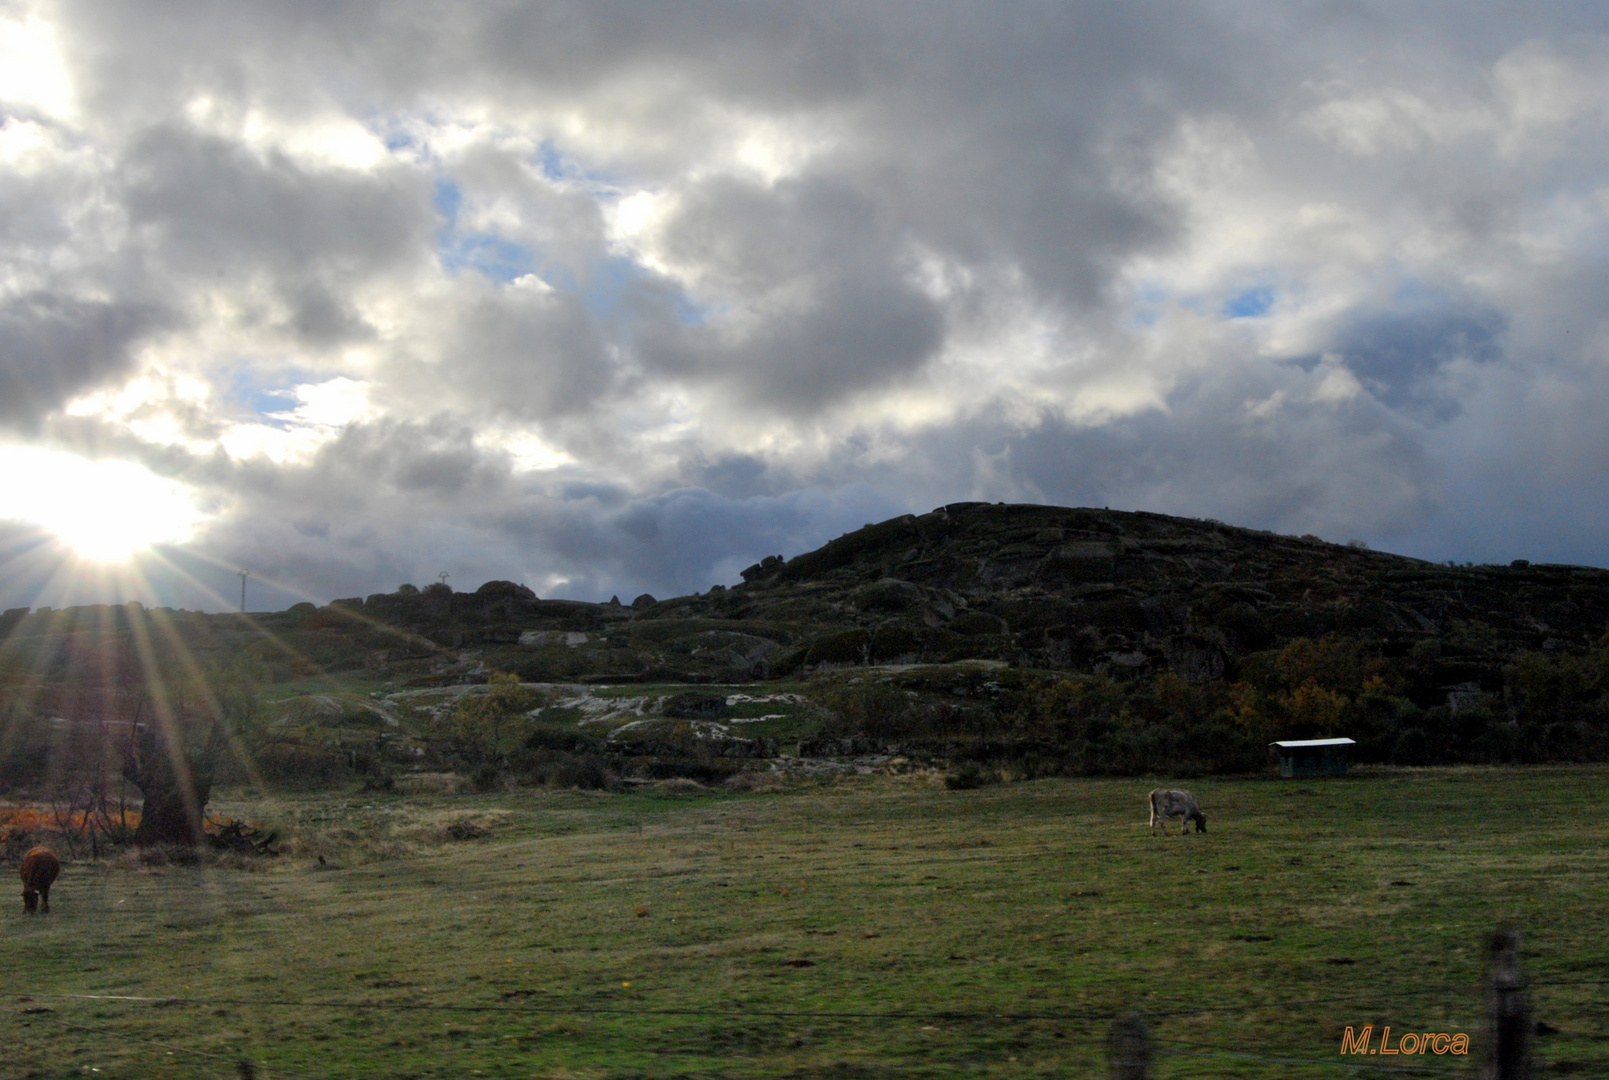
(39, 869)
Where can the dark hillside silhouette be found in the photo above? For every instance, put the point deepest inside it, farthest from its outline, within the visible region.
(1110, 641)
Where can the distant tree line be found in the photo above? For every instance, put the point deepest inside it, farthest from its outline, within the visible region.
(1544, 707)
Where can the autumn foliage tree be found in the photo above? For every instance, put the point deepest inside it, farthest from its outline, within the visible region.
(483, 729)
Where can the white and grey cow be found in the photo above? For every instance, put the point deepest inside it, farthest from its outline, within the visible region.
(1172, 803)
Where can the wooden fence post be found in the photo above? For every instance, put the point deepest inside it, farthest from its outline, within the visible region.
(1508, 1024)
(1128, 1048)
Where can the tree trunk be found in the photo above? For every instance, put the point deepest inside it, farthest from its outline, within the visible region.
(175, 784)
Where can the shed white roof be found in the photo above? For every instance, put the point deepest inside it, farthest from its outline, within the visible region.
(1296, 743)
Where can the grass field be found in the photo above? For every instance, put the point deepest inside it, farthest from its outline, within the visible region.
(870, 927)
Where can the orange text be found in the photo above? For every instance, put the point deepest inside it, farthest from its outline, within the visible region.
(1409, 1042)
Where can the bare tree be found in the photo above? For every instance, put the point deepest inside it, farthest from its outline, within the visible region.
(172, 763)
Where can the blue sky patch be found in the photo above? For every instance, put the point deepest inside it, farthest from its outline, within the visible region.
(448, 199)
(1250, 304)
(1148, 303)
(554, 165)
(557, 165)
(489, 255)
(264, 399)
(485, 253)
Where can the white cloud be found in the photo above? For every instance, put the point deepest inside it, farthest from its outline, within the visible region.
(33, 72)
(315, 139)
(321, 412)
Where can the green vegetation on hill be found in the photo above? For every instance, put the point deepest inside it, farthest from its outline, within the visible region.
(1029, 640)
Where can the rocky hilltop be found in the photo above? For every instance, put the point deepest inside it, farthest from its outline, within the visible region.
(1126, 594)
(1101, 591)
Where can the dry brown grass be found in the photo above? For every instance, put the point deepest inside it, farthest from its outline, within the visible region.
(160, 856)
(446, 783)
(756, 781)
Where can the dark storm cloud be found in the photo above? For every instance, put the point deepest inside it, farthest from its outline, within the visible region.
(849, 336)
(674, 542)
(374, 463)
(733, 476)
(349, 522)
(520, 353)
(690, 539)
(52, 346)
(821, 275)
(1398, 352)
(1252, 447)
(220, 215)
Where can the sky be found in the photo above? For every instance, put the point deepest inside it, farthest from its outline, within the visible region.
(616, 297)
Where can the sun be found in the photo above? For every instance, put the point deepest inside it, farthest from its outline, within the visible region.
(105, 511)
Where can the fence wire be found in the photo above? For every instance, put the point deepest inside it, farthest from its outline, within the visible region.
(739, 1012)
(1190, 1049)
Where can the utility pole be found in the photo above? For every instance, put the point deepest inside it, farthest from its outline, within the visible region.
(244, 574)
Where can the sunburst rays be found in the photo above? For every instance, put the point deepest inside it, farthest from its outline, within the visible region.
(128, 664)
(105, 511)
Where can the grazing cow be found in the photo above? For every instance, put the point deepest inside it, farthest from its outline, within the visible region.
(1169, 803)
(39, 869)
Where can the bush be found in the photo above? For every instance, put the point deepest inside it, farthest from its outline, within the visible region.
(476, 736)
(14, 843)
(548, 737)
(380, 780)
(1412, 747)
(585, 771)
(706, 770)
(847, 647)
(301, 764)
(968, 776)
(692, 705)
(895, 642)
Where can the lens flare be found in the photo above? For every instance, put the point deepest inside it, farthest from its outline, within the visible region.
(105, 511)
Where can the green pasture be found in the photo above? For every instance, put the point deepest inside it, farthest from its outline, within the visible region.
(874, 927)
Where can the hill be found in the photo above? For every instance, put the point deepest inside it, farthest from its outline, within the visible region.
(1098, 591)
(1077, 639)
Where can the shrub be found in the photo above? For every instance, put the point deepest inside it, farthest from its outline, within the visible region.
(692, 705)
(548, 737)
(301, 764)
(968, 776)
(585, 771)
(844, 647)
(706, 770)
(476, 735)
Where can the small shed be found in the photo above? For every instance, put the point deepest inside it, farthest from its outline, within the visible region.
(1313, 757)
